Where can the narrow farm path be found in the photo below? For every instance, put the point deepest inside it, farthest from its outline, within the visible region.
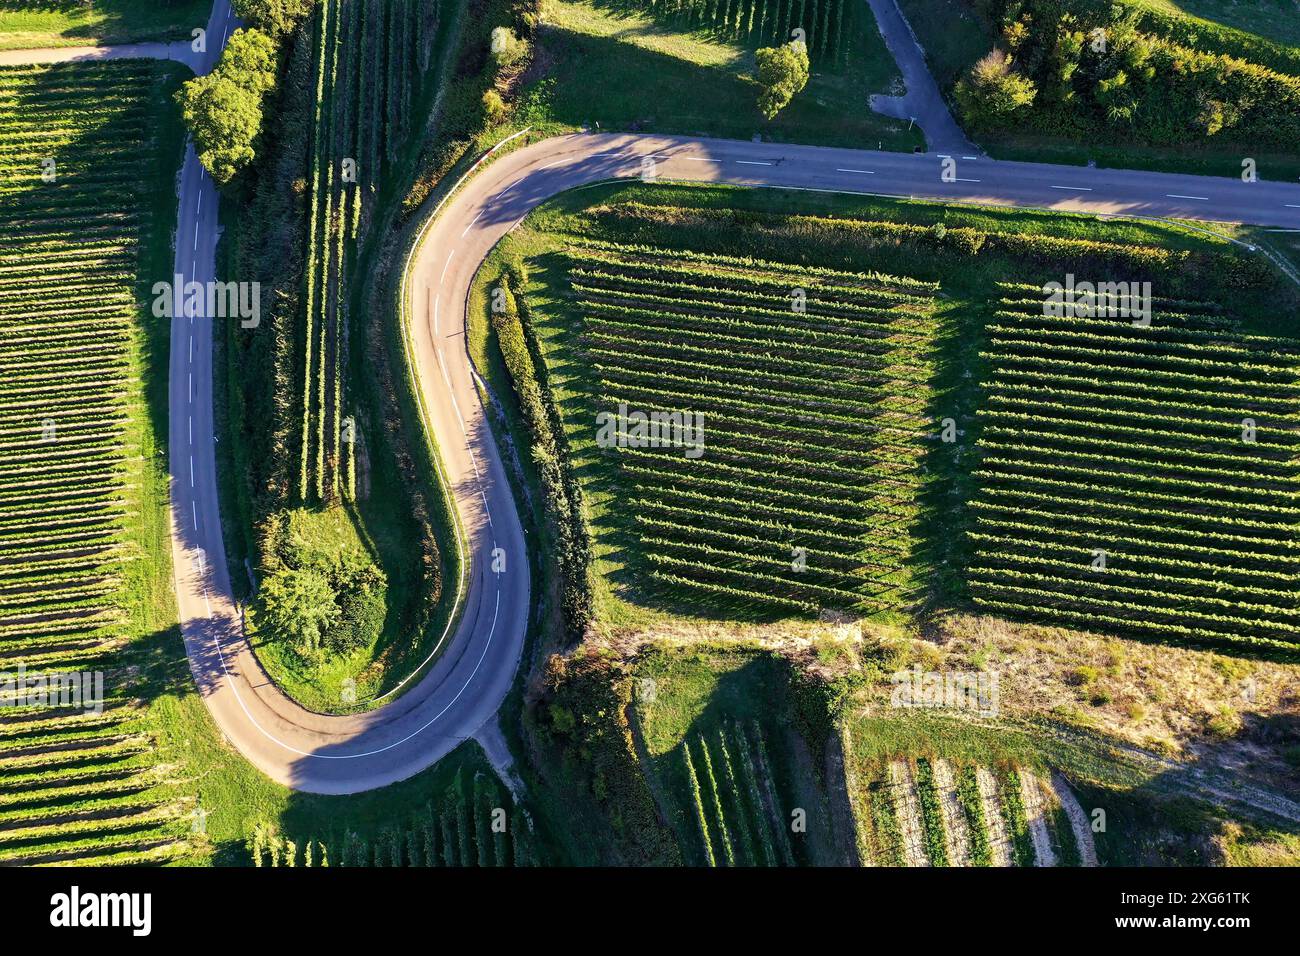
(181, 51)
(922, 102)
(1031, 795)
(1078, 820)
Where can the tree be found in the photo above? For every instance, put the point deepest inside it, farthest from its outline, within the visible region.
(782, 71)
(993, 92)
(274, 17)
(299, 606)
(223, 110)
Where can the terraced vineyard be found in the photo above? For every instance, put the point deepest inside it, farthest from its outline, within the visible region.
(1140, 480)
(369, 57)
(80, 146)
(472, 823)
(925, 812)
(827, 24)
(804, 495)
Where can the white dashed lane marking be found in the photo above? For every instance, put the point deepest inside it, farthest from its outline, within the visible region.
(867, 172)
(1178, 196)
(1082, 189)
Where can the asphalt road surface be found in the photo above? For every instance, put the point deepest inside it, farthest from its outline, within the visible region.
(462, 691)
(464, 688)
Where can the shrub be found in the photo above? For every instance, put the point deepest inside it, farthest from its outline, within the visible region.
(360, 589)
(494, 107)
(1082, 676)
(506, 48)
(781, 72)
(993, 93)
(1224, 723)
(562, 497)
(1151, 80)
(275, 17)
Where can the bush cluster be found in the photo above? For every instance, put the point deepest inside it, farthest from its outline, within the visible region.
(1078, 68)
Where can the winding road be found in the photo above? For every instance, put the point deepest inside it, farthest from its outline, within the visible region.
(461, 692)
(465, 688)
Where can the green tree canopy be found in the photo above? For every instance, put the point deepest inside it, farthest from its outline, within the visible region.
(993, 92)
(782, 71)
(223, 110)
(299, 606)
(275, 17)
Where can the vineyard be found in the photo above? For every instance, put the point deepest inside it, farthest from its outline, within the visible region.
(369, 58)
(827, 25)
(1139, 480)
(80, 150)
(718, 751)
(739, 815)
(472, 823)
(802, 496)
(929, 812)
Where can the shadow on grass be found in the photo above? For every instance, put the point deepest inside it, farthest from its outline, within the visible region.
(608, 83)
(727, 736)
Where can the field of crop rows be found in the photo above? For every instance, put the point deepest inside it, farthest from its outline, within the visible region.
(370, 56)
(827, 24)
(1168, 454)
(473, 823)
(927, 812)
(814, 422)
(73, 787)
(735, 807)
